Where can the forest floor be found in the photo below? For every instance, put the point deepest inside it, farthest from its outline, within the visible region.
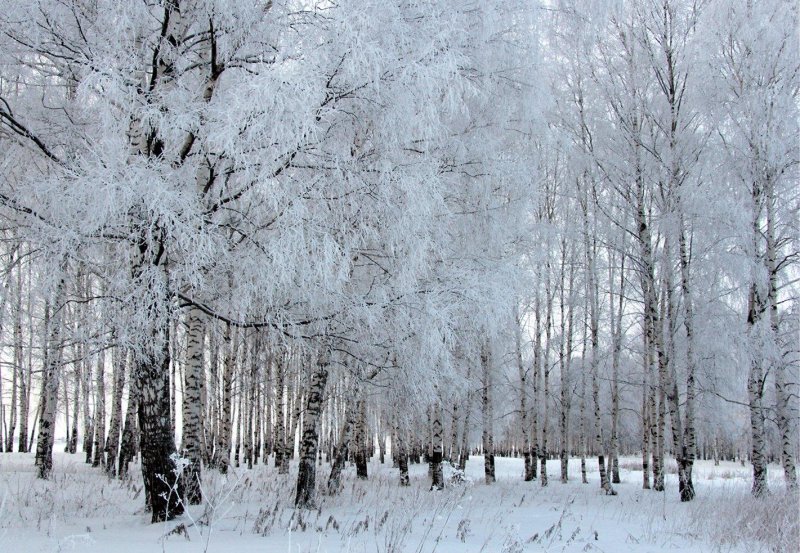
(81, 510)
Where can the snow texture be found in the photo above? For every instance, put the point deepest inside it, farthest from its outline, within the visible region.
(81, 510)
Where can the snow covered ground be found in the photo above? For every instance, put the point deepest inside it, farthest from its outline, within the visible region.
(81, 510)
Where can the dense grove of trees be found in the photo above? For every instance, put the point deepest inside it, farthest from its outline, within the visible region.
(240, 232)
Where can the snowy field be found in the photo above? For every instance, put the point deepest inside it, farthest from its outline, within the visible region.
(81, 510)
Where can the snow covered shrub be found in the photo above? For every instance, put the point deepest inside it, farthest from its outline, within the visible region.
(454, 475)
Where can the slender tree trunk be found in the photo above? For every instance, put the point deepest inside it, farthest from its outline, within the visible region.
(76, 387)
(18, 374)
(280, 407)
(453, 454)
(782, 395)
(25, 380)
(119, 360)
(583, 439)
(488, 413)
(463, 455)
(690, 440)
(88, 426)
(297, 400)
(127, 447)
(53, 316)
(437, 481)
(67, 425)
(210, 426)
(666, 365)
(523, 403)
(785, 428)
(100, 413)
(193, 405)
(360, 449)
(646, 412)
(343, 447)
(616, 324)
(222, 453)
(537, 361)
(564, 354)
(402, 447)
(543, 480)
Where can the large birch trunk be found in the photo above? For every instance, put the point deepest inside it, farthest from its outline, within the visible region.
(163, 487)
(306, 475)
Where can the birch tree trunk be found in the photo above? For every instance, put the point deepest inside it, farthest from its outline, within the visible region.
(616, 351)
(488, 413)
(119, 360)
(646, 413)
(193, 405)
(563, 366)
(453, 453)
(280, 405)
(127, 446)
(755, 386)
(343, 447)
(594, 328)
(463, 455)
(25, 379)
(360, 449)
(689, 438)
(437, 480)
(296, 394)
(543, 480)
(100, 413)
(537, 361)
(523, 402)
(53, 317)
(211, 429)
(401, 437)
(583, 440)
(86, 387)
(222, 452)
(18, 374)
(72, 446)
(306, 475)
(782, 395)
(163, 489)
